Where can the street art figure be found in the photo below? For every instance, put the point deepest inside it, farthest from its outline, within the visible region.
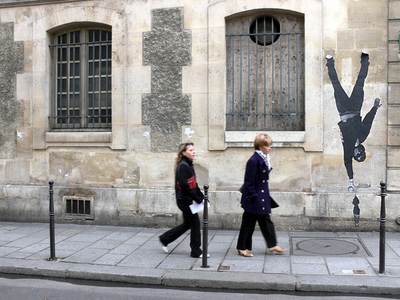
(354, 130)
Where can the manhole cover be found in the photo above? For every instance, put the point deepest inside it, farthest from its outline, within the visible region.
(328, 246)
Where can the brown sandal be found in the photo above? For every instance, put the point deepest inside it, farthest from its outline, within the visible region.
(277, 250)
(244, 253)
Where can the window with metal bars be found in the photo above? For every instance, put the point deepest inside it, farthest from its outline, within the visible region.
(265, 73)
(82, 80)
(78, 207)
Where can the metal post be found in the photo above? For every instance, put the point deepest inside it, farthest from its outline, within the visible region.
(205, 228)
(51, 214)
(356, 211)
(382, 230)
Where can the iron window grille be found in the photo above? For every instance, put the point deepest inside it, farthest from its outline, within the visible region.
(82, 80)
(77, 207)
(265, 78)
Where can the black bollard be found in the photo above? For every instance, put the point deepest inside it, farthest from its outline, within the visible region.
(382, 230)
(356, 211)
(51, 214)
(205, 228)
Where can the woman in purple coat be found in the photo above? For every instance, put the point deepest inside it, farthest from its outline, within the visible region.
(256, 200)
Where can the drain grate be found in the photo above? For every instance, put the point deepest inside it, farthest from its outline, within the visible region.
(312, 246)
(222, 268)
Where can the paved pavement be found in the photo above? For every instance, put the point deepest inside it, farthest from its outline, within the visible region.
(345, 262)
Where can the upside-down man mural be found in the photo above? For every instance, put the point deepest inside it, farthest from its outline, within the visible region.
(353, 128)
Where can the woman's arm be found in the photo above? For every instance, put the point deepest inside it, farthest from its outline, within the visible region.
(187, 181)
(250, 179)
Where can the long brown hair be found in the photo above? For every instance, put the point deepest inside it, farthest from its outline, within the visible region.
(182, 148)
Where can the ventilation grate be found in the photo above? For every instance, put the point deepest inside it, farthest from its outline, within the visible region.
(76, 207)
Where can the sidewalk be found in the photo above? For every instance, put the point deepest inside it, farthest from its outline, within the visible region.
(348, 264)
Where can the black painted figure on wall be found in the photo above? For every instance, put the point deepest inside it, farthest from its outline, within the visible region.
(353, 128)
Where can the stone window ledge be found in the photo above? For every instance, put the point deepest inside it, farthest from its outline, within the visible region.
(78, 139)
(279, 138)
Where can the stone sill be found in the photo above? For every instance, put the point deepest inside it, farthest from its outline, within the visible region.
(279, 138)
(65, 139)
(15, 3)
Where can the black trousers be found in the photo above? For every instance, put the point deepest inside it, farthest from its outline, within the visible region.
(247, 228)
(344, 103)
(190, 221)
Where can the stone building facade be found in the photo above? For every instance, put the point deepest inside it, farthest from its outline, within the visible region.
(97, 95)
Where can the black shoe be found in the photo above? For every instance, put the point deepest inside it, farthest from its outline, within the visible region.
(196, 254)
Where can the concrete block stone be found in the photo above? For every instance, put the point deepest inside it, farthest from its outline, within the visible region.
(367, 14)
(394, 115)
(393, 157)
(394, 72)
(371, 38)
(345, 39)
(394, 93)
(394, 136)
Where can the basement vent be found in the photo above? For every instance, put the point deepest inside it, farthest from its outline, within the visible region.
(76, 207)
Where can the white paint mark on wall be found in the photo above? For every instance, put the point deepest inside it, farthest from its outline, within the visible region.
(189, 132)
(146, 134)
(20, 135)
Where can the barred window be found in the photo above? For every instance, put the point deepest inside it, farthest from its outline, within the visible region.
(82, 80)
(265, 72)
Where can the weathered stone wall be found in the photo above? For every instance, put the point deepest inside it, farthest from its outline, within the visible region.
(11, 62)
(166, 48)
(169, 86)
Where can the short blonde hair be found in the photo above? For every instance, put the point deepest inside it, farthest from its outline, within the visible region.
(262, 139)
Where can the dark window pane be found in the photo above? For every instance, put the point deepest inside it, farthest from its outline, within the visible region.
(103, 35)
(77, 69)
(103, 84)
(96, 68)
(77, 84)
(87, 207)
(74, 206)
(64, 54)
(96, 84)
(90, 104)
(103, 68)
(64, 69)
(81, 207)
(109, 99)
(96, 52)
(90, 66)
(103, 99)
(97, 35)
(109, 51)
(64, 85)
(109, 84)
(77, 36)
(68, 206)
(90, 84)
(77, 53)
(103, 52)
(90, 52)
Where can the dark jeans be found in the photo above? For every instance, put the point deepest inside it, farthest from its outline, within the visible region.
(190, 221)
(344, 103)
(247, 228)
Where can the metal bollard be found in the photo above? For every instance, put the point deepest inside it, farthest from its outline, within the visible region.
(356, 211)
(205, 228)
(51, 214)
(382, 221)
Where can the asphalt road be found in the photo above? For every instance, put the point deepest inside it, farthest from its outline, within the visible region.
(22, 288)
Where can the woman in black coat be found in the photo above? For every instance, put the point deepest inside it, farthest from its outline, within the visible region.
(256, 200)
(186, 191)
